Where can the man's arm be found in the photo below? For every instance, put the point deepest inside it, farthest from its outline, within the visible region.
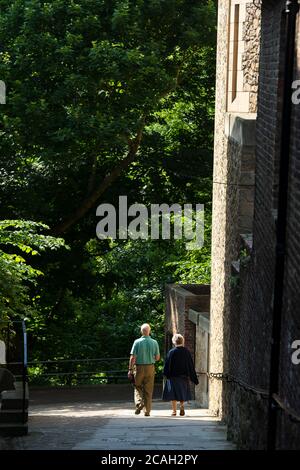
(131, 361)
(133, 355)
(157, 353)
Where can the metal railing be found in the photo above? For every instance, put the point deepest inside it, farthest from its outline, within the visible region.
(99, 370)
(59, 371)
(67, 372)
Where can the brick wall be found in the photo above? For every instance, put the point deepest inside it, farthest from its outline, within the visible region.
(249, 313)
(250, 301)
(289, 435)
(179, 300)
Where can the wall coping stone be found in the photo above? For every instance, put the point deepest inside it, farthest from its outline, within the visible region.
(235, 267)
(247, 240)
(241, 128)
(201, 319)
(185, 292)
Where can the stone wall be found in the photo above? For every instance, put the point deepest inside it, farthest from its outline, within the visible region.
(202, 322)
(250, 312)
(251, 37)
(247, 284)
(233, 190)
(243, 55)
(218, 267)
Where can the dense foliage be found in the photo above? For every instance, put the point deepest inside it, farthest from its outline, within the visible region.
(20, 241)
(104, 98)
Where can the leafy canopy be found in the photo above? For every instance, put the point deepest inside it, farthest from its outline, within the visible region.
(83, 79)
(91, 83)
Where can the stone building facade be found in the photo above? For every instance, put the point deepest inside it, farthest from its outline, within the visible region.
(249, 91)
(234, 166)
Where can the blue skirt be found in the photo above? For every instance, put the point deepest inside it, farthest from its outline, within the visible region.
(177, 388)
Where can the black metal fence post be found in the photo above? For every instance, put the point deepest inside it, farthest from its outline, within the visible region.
(24, 370)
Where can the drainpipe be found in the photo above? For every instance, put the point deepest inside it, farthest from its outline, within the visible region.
(291, 10)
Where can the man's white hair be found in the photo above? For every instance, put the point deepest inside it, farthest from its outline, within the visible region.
(145, 328)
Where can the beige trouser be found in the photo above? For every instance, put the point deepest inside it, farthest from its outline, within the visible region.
(144, 383)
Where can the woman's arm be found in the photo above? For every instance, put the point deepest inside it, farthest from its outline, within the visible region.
(167, 366)
(192, 372)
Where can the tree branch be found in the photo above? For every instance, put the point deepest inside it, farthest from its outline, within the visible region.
(94, 194)
(92, 178)
(110, 178)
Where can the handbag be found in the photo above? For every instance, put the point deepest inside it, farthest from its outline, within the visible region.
(131, 377)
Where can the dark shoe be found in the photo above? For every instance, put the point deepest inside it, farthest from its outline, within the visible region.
(147, 414)
(138, 409)
(182, 412)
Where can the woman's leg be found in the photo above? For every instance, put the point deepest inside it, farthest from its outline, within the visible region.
(174, 407)
(182, 408)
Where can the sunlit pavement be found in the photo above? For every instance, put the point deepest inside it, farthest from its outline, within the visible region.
(114, 426)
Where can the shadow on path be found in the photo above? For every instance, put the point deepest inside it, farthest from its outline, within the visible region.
(102, 418)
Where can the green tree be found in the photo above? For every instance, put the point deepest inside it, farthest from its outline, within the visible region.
(104, 97)
(20, 239)
(84, 78)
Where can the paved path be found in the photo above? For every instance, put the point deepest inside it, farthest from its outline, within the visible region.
(113, 426)
(123, 430)
(95, 418)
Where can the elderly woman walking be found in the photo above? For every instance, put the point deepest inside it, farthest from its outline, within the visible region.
(179, 368)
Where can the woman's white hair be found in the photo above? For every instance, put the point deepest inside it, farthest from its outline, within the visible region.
(178, 340)
(145, 328)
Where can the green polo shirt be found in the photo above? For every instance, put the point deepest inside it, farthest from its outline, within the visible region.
(145, 349)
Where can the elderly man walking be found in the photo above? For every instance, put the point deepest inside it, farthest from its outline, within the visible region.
(144, 353)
